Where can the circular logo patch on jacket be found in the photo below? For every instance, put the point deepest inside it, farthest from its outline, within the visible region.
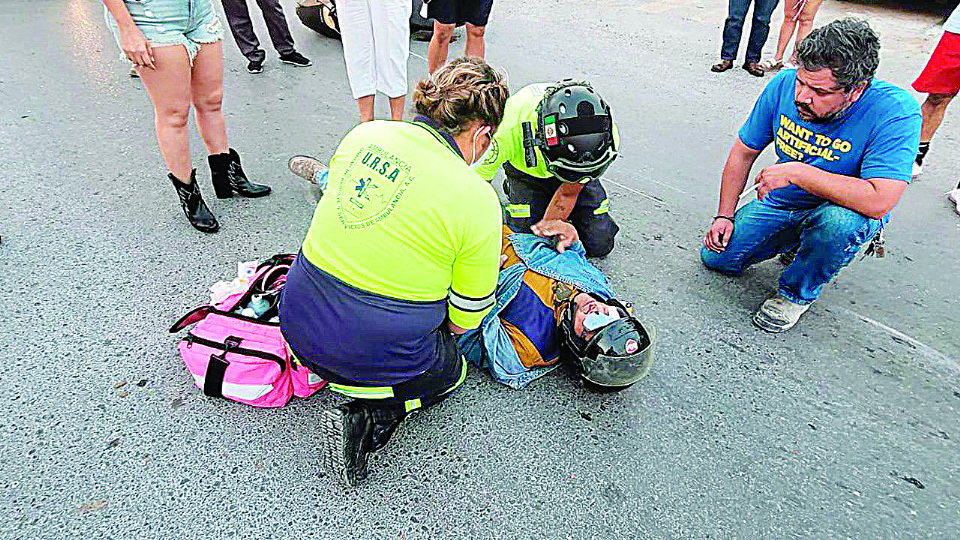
(371, 187)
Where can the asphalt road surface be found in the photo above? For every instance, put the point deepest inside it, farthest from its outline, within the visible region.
(845, 427)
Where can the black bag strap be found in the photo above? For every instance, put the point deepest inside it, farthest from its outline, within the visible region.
(280, 258)
(217, 368)
(213, 380)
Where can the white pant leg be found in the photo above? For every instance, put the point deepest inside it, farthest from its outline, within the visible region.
(356, 34)
(391, 44)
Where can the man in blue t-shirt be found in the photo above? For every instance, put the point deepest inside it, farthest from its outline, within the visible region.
(845, 143)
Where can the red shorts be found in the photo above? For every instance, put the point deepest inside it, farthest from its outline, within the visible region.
(942, 74)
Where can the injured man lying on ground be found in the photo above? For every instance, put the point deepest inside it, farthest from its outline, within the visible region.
(553, 305)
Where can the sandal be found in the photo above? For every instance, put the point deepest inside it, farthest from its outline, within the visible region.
(721, 66)
(754, 69)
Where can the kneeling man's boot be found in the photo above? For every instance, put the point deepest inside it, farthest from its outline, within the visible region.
(311, 170)
(778, 314)
(346, 440)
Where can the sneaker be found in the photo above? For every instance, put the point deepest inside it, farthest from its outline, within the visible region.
(296, 59)
(954, 196)
(345, 441)
(917, 169)
(778, 314)
(310, 169)
(133, 73)
(255, 66)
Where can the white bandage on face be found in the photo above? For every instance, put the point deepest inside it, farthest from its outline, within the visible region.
(596, 321)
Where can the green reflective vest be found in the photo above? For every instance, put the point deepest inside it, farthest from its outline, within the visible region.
(405, 217)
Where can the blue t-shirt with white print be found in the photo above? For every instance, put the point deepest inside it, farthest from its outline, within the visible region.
(877, 137)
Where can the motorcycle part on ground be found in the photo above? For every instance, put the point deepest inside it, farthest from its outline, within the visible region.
(319, 16)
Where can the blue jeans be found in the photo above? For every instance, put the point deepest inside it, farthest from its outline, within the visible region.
(759, 29)
(828, 236)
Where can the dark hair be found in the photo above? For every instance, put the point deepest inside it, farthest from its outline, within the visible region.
(461, 92)
(849, 47)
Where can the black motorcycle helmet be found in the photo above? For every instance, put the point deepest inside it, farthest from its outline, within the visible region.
(617, 356)
(575, 131)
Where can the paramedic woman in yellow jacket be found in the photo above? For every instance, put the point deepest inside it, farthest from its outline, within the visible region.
(401, 254)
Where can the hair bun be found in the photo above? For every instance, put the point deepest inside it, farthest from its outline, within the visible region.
(461, 92)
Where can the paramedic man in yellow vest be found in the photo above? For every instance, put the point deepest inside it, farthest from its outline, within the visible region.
(402, 253)
(554, 144)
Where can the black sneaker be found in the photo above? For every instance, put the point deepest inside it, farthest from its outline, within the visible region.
(346, 433)
(255, 66)
(296, 59)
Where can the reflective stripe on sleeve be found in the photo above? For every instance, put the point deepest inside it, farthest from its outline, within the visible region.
(468, 304)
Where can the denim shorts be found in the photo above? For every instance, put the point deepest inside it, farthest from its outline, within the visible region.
(173, 22)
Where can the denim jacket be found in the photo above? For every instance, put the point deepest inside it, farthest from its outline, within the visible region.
(489, 345)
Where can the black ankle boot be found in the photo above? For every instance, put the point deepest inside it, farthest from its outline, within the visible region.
(191, 200)
(228, 177)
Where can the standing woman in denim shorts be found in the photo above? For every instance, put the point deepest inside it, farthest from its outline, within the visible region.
(175, 46)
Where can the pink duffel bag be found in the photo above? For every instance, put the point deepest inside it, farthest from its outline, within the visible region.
(305, 382)
(245, 358)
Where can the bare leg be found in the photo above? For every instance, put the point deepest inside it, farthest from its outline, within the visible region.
(396, 107)
(804, 27)
(932, 110)
(439, 45)
(475, 44)
(207, 92)
(365, 104)
(787, 28)
(805, 22)
(169, 88)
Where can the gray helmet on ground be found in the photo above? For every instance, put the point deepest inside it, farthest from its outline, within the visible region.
(617, 356)
(575, 131)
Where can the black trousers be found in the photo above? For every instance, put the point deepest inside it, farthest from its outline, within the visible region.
(529, 197)
(238, 16)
